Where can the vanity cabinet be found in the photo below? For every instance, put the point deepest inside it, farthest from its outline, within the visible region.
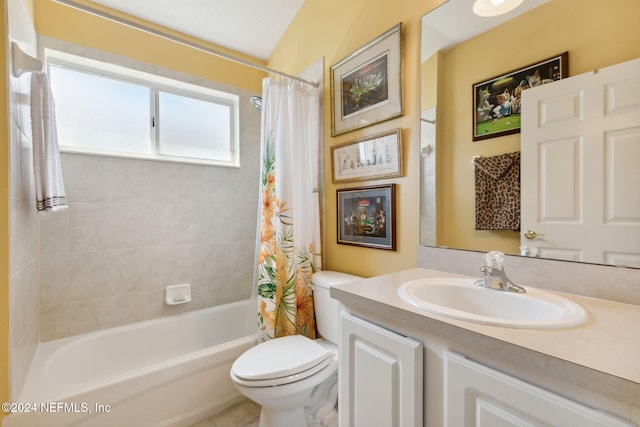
(380, 379)
(585, 375)
(387, 379)
(476, 395)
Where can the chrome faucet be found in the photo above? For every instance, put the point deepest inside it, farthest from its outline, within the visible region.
(493, 275)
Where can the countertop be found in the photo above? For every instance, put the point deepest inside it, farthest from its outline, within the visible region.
(602, 354)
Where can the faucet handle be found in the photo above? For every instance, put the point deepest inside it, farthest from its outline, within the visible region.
(494, 259)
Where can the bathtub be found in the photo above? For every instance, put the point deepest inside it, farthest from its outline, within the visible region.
(170, 371)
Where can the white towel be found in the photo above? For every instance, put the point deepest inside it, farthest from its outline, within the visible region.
(50, 194)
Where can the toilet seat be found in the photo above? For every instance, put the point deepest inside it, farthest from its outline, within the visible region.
(282, 380)
(280, 361)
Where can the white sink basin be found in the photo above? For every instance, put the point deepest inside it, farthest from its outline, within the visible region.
(461, 299)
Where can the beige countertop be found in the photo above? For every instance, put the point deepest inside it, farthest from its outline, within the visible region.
(602, 354)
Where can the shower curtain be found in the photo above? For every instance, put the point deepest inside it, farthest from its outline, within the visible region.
(289, 225)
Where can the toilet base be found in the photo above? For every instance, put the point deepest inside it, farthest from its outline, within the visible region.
(320, 408)
(270, 417)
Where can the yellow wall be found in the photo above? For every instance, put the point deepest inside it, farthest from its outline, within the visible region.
(596, 34)
(68, 24)
(333, 29)
(4, 218)
(429, 82)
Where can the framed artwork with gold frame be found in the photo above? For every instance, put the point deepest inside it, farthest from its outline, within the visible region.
(366, 86)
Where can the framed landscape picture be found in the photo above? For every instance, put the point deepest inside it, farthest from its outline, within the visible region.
(497, 102)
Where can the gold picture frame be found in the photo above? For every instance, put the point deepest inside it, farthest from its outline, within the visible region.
(366, 86)
(373, 157)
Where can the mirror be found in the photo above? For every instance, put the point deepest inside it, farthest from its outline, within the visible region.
(458, 50)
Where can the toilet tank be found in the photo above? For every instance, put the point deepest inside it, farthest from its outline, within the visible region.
(327, 309)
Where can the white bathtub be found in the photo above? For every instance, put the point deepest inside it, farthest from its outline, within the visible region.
(171, 371)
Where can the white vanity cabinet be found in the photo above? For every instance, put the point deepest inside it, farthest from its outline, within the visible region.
(476, 395)
(483, 375)
(387, 379)
(380, 379)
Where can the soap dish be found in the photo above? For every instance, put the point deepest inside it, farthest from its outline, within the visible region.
(177, 294)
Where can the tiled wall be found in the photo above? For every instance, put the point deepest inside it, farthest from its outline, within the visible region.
(136, 226)
(23, 252)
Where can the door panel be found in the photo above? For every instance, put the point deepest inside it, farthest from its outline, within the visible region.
(580, 174)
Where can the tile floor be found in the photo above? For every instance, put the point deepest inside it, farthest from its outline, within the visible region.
(243, 414)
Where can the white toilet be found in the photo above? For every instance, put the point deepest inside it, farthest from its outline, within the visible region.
(295, 379)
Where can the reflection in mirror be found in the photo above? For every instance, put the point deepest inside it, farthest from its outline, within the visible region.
(458, 50)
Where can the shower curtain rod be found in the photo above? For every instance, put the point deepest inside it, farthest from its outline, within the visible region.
(176, 39)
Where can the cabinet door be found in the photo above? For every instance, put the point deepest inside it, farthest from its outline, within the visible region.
(380, 376)
(479, 396)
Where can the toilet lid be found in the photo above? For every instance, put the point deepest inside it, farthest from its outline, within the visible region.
(329, 363)
(280, 357)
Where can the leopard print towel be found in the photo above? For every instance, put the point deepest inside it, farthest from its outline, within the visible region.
(498, 192)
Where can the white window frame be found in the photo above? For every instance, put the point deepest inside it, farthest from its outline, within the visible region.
(155, 83)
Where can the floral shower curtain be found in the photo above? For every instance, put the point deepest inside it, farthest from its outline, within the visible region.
(289, 215)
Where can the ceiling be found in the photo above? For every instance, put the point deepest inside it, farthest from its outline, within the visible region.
(454, 22)
(252, 27)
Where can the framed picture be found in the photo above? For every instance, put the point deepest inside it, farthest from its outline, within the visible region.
(366, 217)
(366, 86)
(374, 157)
(496, 101)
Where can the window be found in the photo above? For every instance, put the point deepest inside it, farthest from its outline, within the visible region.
(106, 109)
(182, 131)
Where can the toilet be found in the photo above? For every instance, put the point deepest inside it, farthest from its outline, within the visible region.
(294, 378)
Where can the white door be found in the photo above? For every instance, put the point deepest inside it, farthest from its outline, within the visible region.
(580, 171)
(478, 396)
(380, 376)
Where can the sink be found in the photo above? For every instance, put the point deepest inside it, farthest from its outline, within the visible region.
(460, 298)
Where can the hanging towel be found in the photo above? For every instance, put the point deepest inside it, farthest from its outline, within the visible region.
(498, 192)
(50, 194)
